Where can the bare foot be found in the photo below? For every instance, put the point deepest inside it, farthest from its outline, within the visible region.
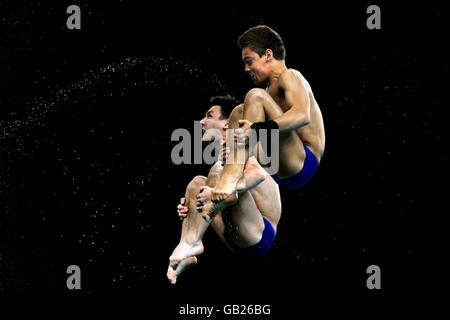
(211, 208)
(183, 251)
(254, 174)
(232, 172)
(227, 185)
(184, 265)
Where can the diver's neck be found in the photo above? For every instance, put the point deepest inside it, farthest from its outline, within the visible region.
(278, 68)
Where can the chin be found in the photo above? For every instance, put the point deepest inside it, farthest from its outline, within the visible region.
(208, 138)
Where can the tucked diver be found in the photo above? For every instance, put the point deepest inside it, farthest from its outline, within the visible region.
(246, 221)
(287, 104)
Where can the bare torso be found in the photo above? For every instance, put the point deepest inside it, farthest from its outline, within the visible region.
(312, 135)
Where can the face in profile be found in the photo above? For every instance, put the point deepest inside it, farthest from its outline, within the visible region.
(212, 120)
(255, 66)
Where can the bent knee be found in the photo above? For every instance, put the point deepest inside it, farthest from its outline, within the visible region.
(256, 94)
(197, 182)
(237, 112)
(238, 109)
(235, 116)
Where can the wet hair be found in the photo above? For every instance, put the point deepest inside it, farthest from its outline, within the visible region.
(261, 38)
(226, 103)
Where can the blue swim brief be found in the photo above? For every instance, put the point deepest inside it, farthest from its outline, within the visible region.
(258, 250)
(300, 178)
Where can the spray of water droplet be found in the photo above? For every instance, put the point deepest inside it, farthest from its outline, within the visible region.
(17, 141)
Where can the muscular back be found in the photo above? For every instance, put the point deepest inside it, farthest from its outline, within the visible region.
(313, 134)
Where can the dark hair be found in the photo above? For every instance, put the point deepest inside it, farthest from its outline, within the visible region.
(261, 38)
(227, 104)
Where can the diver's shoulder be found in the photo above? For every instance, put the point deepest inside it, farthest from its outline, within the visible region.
(290, 76)
(291, 73)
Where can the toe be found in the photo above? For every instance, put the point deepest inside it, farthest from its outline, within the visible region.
(171, 275)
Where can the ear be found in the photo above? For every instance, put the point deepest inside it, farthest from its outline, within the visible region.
(269, 55)
(226, 125)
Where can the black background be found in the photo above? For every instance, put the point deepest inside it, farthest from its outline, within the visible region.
(86, 175)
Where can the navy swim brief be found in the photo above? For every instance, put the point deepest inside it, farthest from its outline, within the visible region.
(258, 250)
(300, 178)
